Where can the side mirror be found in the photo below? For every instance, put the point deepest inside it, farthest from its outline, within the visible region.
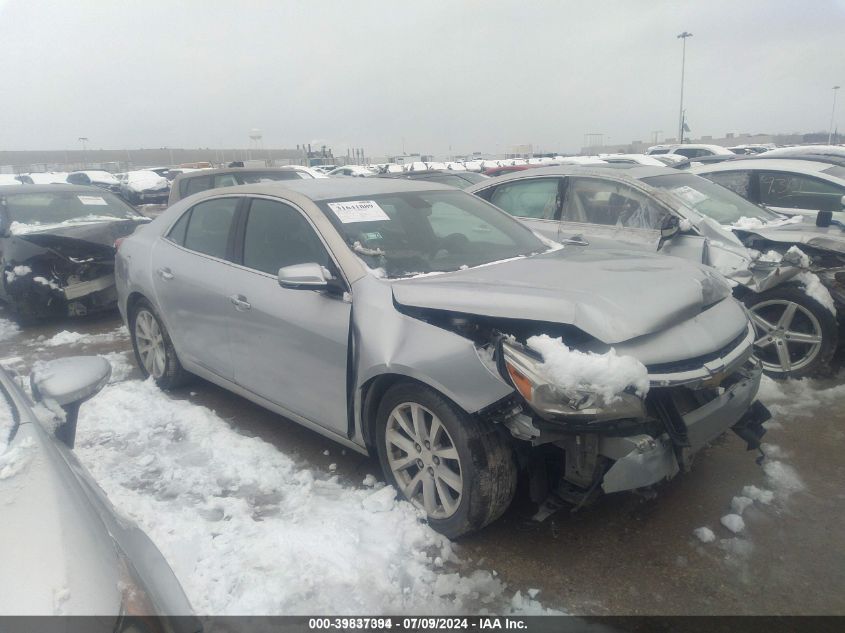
(308, 276)
(669, 227)
(824, 218)
(69, 382)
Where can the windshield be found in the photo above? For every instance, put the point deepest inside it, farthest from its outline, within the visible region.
(710, 199)
(33, 209)
(421, 232)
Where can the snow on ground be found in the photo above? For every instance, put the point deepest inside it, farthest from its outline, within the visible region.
(8, 329)
(788, 402)
(248, 531)
(76, 338)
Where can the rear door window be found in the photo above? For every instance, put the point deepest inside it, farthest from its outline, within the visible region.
(737, 181)
(797, 191)
(209, 225)
(534, 198)
(191, 186)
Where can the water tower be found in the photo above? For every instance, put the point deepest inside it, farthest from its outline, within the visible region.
(255, 140)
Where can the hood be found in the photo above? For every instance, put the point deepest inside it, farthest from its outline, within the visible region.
(829, 238)
(82, 240)
(612, 295)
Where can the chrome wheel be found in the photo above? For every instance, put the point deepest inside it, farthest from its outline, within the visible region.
(424, 460)
(150, 343)
(789, 336)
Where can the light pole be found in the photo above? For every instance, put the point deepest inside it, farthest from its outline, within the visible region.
(832, 114)
(83, 140)
(683, 36)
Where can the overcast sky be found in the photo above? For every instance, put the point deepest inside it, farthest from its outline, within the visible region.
(470, 75)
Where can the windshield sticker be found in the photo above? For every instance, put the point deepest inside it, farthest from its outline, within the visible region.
(371, 237)
(93, 201)
(689, 195)
(358, 211)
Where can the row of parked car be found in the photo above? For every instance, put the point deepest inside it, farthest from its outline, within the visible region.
(581, 326)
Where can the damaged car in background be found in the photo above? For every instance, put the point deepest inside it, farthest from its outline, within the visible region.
(662, 210)
(57, 249)
(423, 325)
(144, 186)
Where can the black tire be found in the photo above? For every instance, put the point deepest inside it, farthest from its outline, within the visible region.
(174, 375)
(767, 305)
(487, 465)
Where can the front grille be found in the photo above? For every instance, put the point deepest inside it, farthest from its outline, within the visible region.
(691, 364)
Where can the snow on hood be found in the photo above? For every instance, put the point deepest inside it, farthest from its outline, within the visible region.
(800, 231)
(613, 295)
(145, 180)
(607, 375)
(249, 531)
(22, 228)
(748, 224)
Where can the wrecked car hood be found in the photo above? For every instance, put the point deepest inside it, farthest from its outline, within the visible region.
(611, 294)
(831, 238)
(95, 239)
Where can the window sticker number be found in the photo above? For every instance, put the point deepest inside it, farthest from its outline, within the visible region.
(358, 211)
(93, 201)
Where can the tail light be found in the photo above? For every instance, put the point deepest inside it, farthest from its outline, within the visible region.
(118, 242)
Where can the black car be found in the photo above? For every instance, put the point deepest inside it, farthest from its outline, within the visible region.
(459, 179)
(57, 246)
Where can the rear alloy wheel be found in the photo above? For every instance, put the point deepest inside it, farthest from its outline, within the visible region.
(795, 336)
(456, 468)
(154, 350)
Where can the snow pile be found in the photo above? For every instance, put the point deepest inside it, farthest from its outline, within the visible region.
(815, 290)
(704, 534)
(121, 368)
(66, 337)
(733, 522)
(749, 224)
(739, 504)
(782, 477)
(15, 460)
(607, 375)
(759, 495)
(8, 329)
(247, 531)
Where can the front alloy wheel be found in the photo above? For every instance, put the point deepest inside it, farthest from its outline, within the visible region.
(424, 460)
(795, 336)
(457, 468)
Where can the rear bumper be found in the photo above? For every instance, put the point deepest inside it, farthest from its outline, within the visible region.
(643, 460)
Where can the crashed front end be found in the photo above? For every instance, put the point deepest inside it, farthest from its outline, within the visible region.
(633, 440)
(52, 275)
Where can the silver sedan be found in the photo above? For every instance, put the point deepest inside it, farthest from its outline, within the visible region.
(402, 318)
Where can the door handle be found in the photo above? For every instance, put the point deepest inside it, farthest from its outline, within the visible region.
(165, 274)
(240, 302)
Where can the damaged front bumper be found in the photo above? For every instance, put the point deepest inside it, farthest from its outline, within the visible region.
(643, 460)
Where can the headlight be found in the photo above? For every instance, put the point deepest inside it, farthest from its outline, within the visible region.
(553, 402)
(713, 288)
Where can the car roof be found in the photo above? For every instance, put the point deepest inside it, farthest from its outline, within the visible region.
(234, 170)
(422, 172)
(620, 171)
(761, 162)
(51, 188)
(318, 189)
